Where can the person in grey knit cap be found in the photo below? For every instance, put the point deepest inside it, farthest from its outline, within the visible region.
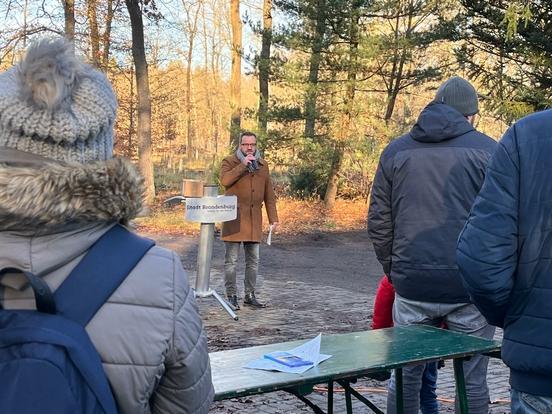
(424, 186)
(461, 95)
(60, 191)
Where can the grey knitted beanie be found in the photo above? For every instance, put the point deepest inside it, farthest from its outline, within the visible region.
(54, 105)
(460, 94)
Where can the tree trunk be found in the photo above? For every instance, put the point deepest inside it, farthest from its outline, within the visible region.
(131, 115)
(25, 16)
(189, 129)
(398, 64)
(144, 100)
(314, 66)
(208, 84)
(264, 66)
(345, 128)
(192, 31)
(394, 91)
(216, 114)
(69, 13)
(106, 38)
(235, 81)
(331, 188)
(94, 32)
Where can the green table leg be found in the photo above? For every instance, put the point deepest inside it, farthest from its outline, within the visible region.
(330, 397)
(360, 397)
(399, 390)
(461, 385)
(348, 400)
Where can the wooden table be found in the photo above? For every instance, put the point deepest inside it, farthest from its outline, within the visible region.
(354, 355)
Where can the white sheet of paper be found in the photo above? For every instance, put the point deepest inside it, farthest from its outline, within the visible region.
(309, 350)
(269, 238)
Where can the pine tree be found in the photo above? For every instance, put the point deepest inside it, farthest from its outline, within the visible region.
(508, 48)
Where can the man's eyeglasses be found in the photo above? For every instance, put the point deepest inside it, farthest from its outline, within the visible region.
(249, 145)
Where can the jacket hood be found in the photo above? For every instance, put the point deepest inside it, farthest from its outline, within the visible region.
(45, 203)
(39, 196)
(37, 255)
(439, 122)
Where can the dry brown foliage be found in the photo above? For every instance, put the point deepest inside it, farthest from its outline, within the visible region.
(296, 217)
(299, 216)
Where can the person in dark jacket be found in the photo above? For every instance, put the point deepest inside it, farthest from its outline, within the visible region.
(504, 256)
(424, 187)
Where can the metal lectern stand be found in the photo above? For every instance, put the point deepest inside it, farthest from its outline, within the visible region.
(204, 255)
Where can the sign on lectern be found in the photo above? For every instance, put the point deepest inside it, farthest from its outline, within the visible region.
(211, 209)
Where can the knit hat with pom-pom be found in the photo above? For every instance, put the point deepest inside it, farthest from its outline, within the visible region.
(54, 105)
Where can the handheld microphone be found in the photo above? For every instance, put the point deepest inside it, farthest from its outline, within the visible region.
(253, 166)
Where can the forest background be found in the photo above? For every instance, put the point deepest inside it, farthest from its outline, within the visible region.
(325, 84)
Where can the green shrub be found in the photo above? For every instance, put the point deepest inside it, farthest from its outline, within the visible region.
(308, 182)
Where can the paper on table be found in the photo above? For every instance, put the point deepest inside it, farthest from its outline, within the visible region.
(269, 365)
(269, 238)
(309, 350)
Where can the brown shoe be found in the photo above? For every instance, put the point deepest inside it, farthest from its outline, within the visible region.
(251, 300)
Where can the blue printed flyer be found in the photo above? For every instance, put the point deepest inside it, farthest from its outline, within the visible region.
(287, 359)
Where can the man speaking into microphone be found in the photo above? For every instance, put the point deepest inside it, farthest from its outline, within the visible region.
(246, 175)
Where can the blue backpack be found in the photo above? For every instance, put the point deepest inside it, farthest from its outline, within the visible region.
(47, 362)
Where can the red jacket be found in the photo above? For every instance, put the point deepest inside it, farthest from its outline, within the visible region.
(383, 305)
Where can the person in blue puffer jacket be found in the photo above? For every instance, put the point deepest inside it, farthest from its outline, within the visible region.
(504, 255)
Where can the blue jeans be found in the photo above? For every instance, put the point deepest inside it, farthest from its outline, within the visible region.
(251, 266)
(428, 392)
(523, 403)
(460, 317)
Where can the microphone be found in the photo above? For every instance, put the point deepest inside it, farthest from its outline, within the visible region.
(253, 166)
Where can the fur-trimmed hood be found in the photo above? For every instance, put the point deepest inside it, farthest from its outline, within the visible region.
(39, 196)
(148, 332)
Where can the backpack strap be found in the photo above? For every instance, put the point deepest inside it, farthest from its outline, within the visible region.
(99, 273)
(44, 298)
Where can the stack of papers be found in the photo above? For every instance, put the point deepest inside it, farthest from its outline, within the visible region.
(295, 361)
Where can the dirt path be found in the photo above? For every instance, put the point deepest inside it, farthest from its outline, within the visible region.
(343, 260)
(322, 282)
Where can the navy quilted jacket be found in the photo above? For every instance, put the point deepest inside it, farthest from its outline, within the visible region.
(505, 251)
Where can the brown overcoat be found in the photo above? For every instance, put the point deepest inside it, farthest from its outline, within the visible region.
(252, 190)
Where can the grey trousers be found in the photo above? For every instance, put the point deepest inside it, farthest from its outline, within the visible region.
(251, 266)
(459, 317)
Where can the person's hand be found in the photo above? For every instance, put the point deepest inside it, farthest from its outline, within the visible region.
(274, 225)
(248, 159)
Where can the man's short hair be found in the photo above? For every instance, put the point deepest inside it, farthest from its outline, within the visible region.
(247, 134)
